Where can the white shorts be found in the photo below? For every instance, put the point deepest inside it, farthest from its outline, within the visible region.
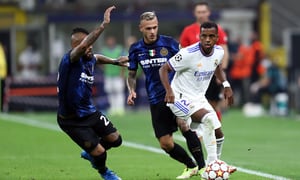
(184, 107)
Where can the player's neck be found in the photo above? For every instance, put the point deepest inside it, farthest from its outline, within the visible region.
(207, 52)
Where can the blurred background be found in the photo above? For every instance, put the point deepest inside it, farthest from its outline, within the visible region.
(34, 35)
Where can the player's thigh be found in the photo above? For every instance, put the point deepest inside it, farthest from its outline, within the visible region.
(163, 120)
(103, 127)
(85, 137)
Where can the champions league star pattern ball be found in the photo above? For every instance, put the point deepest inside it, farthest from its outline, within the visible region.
(216, 170)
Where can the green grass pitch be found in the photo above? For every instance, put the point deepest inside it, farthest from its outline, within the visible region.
(40, 151)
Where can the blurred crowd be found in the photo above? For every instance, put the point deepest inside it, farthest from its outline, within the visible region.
(256, 78)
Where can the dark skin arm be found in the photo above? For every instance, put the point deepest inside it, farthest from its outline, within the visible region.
(121, 61)
(228, 94)
(131, 85)
(80, 49)
(164, 78)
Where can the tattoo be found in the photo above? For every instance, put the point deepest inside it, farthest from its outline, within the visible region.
(131, 80)
(92, 37)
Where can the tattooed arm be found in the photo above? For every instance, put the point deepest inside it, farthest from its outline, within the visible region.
(80, 49)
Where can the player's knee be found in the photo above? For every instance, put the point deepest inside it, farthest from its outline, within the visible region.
(97, 150)
(166, 143)
(117, 142)
(183, 126)
(211, 120)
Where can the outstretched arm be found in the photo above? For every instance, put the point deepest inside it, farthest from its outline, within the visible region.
(79, 50)
(131, 85)
(164, 77)
(228, 94)
(121, 61)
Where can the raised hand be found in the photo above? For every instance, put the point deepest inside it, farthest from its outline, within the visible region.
(106, 19)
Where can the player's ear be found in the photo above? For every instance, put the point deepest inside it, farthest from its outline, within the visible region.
(140, 27)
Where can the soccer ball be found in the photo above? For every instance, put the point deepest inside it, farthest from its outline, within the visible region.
(216, 170)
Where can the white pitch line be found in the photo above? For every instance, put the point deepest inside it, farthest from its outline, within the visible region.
(54, 127)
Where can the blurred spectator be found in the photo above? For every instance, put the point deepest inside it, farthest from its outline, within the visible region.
(30, 62)
(240, 72)
(256, 56)
(56, 52)
(114, 82)
(272, 84)
(3, 73)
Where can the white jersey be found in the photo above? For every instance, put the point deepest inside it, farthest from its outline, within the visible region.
(194, 70)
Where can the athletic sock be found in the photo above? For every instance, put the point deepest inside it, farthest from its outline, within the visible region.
(209, 137)
(179, 154)
(100, 162)
(195, 148)
(220, 142)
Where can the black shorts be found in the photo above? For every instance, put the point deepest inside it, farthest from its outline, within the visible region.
(163, 120)
(214, 90)
(86, 131)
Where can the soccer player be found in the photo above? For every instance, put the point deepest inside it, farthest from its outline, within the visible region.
(151, 52)
(195, 66)
(191, 35)
(77, 115)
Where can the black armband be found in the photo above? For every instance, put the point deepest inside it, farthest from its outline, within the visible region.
(116, 62)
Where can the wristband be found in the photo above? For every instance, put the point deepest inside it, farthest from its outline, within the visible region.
(225, 84)
(116, 62)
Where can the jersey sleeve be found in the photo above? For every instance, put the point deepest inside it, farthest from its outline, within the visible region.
(180, 61)
(133, 63)
(223, 39)
(221, 53)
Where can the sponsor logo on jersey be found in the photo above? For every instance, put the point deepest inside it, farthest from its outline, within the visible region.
(203, 75)
(164, 52)
(86, 79)
(146, 63)
(152, 52)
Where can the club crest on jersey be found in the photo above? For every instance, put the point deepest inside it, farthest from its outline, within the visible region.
(216, 62)
(178, 57)
(164, 52)
(152, 52)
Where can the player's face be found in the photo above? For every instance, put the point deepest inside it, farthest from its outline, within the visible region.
(208, 38)
(88, 52)
(201, 13)
(149, 29)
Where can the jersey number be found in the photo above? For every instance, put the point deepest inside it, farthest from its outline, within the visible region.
(185, 102)
(103, 118)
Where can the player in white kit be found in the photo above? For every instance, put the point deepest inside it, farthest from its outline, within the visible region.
(194, 66)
